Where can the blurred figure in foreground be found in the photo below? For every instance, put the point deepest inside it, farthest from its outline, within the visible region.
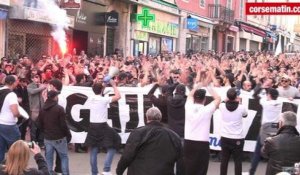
(18, 158)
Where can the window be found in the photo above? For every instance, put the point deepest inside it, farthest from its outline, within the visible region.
(202, 3)
(242, 9)
(229, 3)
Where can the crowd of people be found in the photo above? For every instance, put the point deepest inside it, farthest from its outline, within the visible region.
(177, 127)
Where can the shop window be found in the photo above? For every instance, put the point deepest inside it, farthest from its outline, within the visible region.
(204, 44)
(196, 43)
(154, 45)
(166, 45)
(188, 43)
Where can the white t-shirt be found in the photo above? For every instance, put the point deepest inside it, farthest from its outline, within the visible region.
(98, 108)
(232, 124)
(6, 116)
(271, 110)
(197, 120)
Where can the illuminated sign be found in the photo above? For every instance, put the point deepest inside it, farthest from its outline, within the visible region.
(145, 17)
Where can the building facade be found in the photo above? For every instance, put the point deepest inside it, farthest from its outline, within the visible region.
(161, 34)
(4, 7)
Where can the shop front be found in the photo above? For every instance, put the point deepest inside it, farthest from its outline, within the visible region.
(29, 32)
(159, 36)
(88, 34)
(197, 34)
(251, 38)
(4, 5)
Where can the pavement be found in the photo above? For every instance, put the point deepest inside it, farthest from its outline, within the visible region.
(79, 164)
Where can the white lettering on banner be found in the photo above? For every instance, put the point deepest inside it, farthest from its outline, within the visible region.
(128, 113)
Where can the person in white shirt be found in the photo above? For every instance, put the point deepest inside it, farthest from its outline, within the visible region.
(196, 134)
(232, 139)
(9, 131)
(99, 133)
(271, 109)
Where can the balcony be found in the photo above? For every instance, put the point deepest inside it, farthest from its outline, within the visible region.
(221, 14)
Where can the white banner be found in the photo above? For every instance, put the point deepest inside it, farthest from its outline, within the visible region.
(128, 113)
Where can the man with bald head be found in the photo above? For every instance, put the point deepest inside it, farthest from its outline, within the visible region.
(247, 88)
(283, 150)
(146, 145)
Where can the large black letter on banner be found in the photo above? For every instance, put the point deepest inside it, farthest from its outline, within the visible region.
(84, 113)
(133, 122)
(114, 115)
(255, 126)
(147, 104)
(289, 107)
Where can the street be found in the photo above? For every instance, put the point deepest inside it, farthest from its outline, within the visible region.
(79, 164)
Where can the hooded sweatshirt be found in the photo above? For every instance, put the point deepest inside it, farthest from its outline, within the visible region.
(232, 115)
(176, 113)
(52, 121)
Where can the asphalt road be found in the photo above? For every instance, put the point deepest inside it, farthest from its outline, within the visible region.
(79, 164)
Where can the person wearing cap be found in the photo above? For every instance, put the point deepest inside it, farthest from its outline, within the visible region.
(196, 130)
(286, 90)
(283, 150)
(152, 149)
(36, 102)
(56, 85)
(52, 122)
(232, 138)
(9, 112)
(271, 109)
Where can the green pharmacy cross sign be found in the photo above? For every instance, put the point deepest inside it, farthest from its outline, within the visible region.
(145, 17)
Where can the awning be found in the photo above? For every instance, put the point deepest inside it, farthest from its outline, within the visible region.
(253, 30)
(201, 19)
(3, 14)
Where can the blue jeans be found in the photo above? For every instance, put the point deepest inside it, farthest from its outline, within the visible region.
(61, 146)
(256, 157)
(107, 162)
(8, 135)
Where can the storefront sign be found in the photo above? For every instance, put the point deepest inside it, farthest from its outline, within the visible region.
(85, 18)
(3, 14)
(5, 2)
(145, 17)
(71, 4)
(39, 16)
(112, 19)
(161, 28)
(141, 36)
(192, 24)
(81, 17)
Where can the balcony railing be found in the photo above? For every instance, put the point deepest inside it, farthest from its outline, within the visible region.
(220, 13)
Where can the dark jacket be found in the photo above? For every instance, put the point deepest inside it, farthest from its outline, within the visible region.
(282, 149)
(160, 103)
(42, 167)
(150, 150)
(52, 121)
(176, 112)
